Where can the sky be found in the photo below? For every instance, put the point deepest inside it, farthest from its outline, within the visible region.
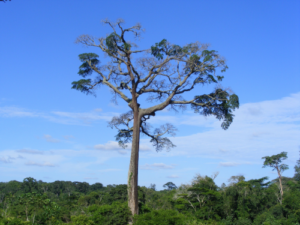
(51, 132)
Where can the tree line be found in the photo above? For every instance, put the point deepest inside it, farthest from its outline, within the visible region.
(255, 201)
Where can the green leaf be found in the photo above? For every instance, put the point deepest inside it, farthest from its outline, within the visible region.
(219, 103)
(111, 43)
(82, 85)
(87, 59)
(211, 79)
(158, 49)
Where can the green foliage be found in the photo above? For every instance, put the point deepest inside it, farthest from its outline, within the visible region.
(158, 49)
(116, 213)
(96, 187)
(200, 202)
(162, 217)
(170, 186)
(30, 184)
(275, 160)
(14, 221)
(112, 43)
(82, 220)
(297, 171)
(89, 61)
(218, 103)
(82, 85)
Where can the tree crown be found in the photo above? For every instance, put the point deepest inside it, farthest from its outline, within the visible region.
(275, 160)
(162, 73)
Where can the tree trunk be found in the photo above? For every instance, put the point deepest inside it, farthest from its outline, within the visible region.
(133, 166)
(280, 183)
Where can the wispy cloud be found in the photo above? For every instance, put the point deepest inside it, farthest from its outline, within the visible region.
(156, 166)
(5, 159)
(114, 146)
(173, 176)
(90, 178)
(68, 137)
(44, 164)
(109, 170)
(111, 145)
(11, 111)
(258, 129)
(228, 164)
(29, 151)
(49, 138)
(84, 118)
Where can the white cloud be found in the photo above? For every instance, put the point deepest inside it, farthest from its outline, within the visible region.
(85, 118)
(49, 138)
(109, 170)
(114, 146)
(173, 176)
(67, 137)
(90, 178)
(156, 166)
(5, 160)
(44, 164)
(11, 111)
(228, 164)
(268, 128)
(111, 145)
(29, 151)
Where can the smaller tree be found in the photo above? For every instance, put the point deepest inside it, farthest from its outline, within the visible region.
(297, 171)
(153, 187)
(170, 186)
(274, 162)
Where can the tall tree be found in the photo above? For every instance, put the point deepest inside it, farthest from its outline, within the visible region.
(163, 73)
(274, 162)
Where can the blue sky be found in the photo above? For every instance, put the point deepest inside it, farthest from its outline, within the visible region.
(50, 132)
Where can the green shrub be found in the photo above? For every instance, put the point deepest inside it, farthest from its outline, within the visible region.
(82, 220)
(161, 217)
(13, 221)
(117, 214)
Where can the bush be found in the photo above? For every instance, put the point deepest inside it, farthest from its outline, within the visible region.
(81, 220)
(117, 213)
(14, 221)
(161, 217)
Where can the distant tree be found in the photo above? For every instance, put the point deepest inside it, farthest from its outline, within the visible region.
(170, 186)
(153, 187)
(96, 187)
(118, 193)
(297, 171)
(274, 162)
(236, 179)
(201, 196)
(29, 185)
(82, 187)
(163, 73)
(57, 187)
(12, 186)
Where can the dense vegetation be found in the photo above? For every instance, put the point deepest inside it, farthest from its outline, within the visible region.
(256, 201)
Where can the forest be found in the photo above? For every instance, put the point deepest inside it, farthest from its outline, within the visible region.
(256, 201)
